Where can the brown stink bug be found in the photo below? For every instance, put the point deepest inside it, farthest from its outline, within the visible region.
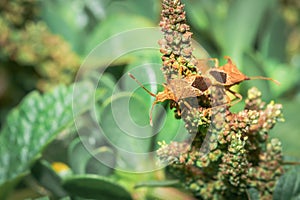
(195, 85)
(177, 89)
(228, 75)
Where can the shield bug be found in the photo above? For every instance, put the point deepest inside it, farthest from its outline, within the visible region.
(177, 89)
(228, 75)
(195, 85)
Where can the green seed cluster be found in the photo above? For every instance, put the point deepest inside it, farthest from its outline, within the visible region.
(176, 45)
(269, 169)
(234, 165)
(231, 154)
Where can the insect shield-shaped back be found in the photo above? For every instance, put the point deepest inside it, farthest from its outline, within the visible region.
(228, 74)
(200, 82)
(180, 90)
(218, 76)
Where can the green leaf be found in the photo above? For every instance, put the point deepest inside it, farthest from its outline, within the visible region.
(78, 155)
(196, 11)
(48, 178)
(95, 187)
(124, 121)
(166, 183)
(237, 35)
(146, 69)
(102, 162)
(172, 129)
(207, 15)
(125, 124)
(253, 194)
(116, 48)
(42, 198)
(149, 9)
(116, 24)
(63, 13)
(288, 132)
(34, 124)
(254, 66)
(286, 74)
(106, 85)
(65, 198)
(288, 185)
(273, 38)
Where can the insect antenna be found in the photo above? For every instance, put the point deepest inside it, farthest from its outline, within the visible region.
(152, 94)
(264, 78)
(140, 84)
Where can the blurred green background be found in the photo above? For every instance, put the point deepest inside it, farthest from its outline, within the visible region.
(43, 44)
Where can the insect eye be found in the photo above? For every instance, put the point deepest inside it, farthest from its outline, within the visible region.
(201, 83)
(221, 77)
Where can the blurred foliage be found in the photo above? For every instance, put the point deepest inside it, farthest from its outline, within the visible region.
(29, 129)
(31, 56)
(43, 42)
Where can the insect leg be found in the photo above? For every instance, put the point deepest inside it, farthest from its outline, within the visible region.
(216, 61)
(187, 105)
(237, 95)
(151, 111)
